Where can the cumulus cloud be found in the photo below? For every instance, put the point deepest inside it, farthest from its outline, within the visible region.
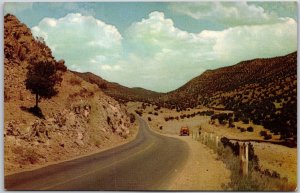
(228, 13)
(84, 42)
(155, 54)
(170, 57)
(246, 42)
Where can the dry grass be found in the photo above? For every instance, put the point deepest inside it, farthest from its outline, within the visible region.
(255, 180)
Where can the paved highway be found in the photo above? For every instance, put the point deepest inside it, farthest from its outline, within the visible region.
(147, 163)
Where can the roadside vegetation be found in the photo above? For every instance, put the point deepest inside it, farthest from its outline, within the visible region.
(257, 178)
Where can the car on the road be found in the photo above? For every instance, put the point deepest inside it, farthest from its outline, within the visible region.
(184, 131)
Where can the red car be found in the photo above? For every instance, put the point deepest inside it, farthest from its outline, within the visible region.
(184, 131)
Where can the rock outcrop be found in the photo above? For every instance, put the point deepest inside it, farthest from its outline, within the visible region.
(80, 119)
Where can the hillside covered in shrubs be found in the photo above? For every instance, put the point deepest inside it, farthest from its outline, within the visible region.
(263, 91)
(119, 92)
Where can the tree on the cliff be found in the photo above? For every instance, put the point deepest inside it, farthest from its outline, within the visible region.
(43, 76)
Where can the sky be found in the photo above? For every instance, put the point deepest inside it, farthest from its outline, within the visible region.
(159, 45)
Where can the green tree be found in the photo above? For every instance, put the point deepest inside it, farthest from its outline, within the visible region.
(43, 76)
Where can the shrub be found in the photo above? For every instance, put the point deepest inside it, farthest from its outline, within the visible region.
(161, 127)
(267, 137)
(242, 129)
(132, 118)
(103, 86)
(250, 129)
(149, 119)
(263, 133)
(256, 180)
(245, 121)
(140, 113)
(231, 125)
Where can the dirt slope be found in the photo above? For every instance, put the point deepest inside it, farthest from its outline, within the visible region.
(80, 119)
(119, 92)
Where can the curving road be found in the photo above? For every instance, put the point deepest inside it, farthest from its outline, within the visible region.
(147, 163)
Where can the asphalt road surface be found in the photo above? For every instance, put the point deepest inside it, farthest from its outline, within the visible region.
(147, 163)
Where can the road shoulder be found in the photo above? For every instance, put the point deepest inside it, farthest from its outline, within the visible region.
(202, 170)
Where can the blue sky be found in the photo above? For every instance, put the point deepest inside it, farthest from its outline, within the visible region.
(160, 46)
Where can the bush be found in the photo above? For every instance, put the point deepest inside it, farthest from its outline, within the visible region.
(140, 113)
(231, 125)
(103, 86)
(263, 133)
(132, 118)
(161, 127)
(242, 129)
(250, 129)
(245, 121)
(267, 137)
(149, 119)
(256, 180)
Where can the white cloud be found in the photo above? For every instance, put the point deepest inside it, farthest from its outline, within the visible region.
(106, 67)
(83, 41)
(246, 42)
(169, 57)
(228, 13)
(156, 55)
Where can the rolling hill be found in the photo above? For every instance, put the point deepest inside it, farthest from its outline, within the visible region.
(208, 88)
(261, 90)
(119, 92)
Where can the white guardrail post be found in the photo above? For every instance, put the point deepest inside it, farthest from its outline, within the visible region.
(244, 158)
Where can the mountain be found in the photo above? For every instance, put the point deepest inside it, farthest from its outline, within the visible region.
(78, 120)
(227, 79)
(119, 92)
(262, 90)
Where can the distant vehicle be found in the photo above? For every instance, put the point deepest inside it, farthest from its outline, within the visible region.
(184, 131)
